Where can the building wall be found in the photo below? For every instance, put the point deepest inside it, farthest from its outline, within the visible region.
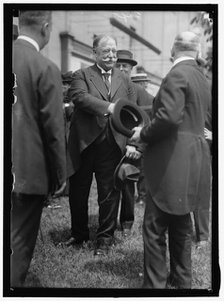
(157, 27)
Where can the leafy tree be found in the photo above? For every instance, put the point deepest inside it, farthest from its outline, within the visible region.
(205, 21)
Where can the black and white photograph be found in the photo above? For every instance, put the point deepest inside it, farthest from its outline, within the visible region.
(111, 136)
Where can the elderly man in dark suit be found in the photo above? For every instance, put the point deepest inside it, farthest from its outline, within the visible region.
(125, 63)
(94, 145)
(176, 166)
(38, 137)
(141, 82)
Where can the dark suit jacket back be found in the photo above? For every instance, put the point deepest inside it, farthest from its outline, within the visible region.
(38, 137)
(177, 160)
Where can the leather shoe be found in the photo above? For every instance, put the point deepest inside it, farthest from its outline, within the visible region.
(126, 232)
(100, 252)
(139, 201)
(102, 248)
(73, 241)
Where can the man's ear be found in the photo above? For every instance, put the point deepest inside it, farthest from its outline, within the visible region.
(172, 53)
(44, 28)
(94, 52)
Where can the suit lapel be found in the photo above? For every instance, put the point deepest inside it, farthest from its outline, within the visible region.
(115, 82)
(97, 80)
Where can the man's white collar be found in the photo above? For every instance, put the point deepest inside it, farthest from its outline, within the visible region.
(31, 41)
(182, 58)
(103, 71)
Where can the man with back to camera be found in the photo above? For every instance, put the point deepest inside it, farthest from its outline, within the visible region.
(125, 63)
(177, 167)
(94, 146)
(38, 137)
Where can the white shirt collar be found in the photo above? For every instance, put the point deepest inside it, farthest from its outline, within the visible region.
(181, 59)
(103, 71)
(31, 41)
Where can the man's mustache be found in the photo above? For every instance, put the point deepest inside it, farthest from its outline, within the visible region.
(110, 60)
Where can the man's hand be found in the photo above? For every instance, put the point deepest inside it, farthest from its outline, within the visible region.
(136, 136)
(208, 134)
(59, 190)
(111, 108)
(132, 152)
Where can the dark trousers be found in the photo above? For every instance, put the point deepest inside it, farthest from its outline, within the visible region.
(141, 184)
(25, 221)
(127, 205)
(201, 222)
(100, 158)
(156, 223)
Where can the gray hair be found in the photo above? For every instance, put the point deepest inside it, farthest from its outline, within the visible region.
(98, 38)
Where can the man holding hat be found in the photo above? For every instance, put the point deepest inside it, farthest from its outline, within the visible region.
(176, 165)
(94, 146)
(125, 63)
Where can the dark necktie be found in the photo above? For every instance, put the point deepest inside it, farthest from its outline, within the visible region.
(106, 80)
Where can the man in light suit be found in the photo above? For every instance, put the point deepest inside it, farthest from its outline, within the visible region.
(176, 166)
(94, 145)
(38, 137)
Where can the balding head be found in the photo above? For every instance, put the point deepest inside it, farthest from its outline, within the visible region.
(186, 43)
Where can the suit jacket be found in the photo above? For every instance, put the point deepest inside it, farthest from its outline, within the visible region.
(177, 163)
(90, 97)
(38, 137)
(144, 99)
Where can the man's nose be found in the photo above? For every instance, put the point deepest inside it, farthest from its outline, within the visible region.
(111, 54)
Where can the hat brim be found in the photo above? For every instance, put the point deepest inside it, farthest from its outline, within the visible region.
(140, 80)
(126, 116)
(125, 171)
(131, 62)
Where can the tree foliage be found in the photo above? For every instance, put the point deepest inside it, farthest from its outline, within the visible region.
(205, 21)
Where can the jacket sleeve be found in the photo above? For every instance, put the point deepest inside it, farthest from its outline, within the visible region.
(169, 108)
(52, 123)
(82, 99)
(132, 95)
(138, 100)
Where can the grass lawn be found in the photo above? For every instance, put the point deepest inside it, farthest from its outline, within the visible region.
(54, 266)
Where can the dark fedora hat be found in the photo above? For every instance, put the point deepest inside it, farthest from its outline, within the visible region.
(140, 77)
(126, 116)
(125, 56)
(125, 170)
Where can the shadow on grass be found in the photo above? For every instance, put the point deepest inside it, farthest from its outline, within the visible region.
(32, 280)
(58, 236)
(119, 264)
(61, 235)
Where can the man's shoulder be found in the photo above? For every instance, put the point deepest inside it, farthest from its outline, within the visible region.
(141, 90)
(87, 70)
(46, 64)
